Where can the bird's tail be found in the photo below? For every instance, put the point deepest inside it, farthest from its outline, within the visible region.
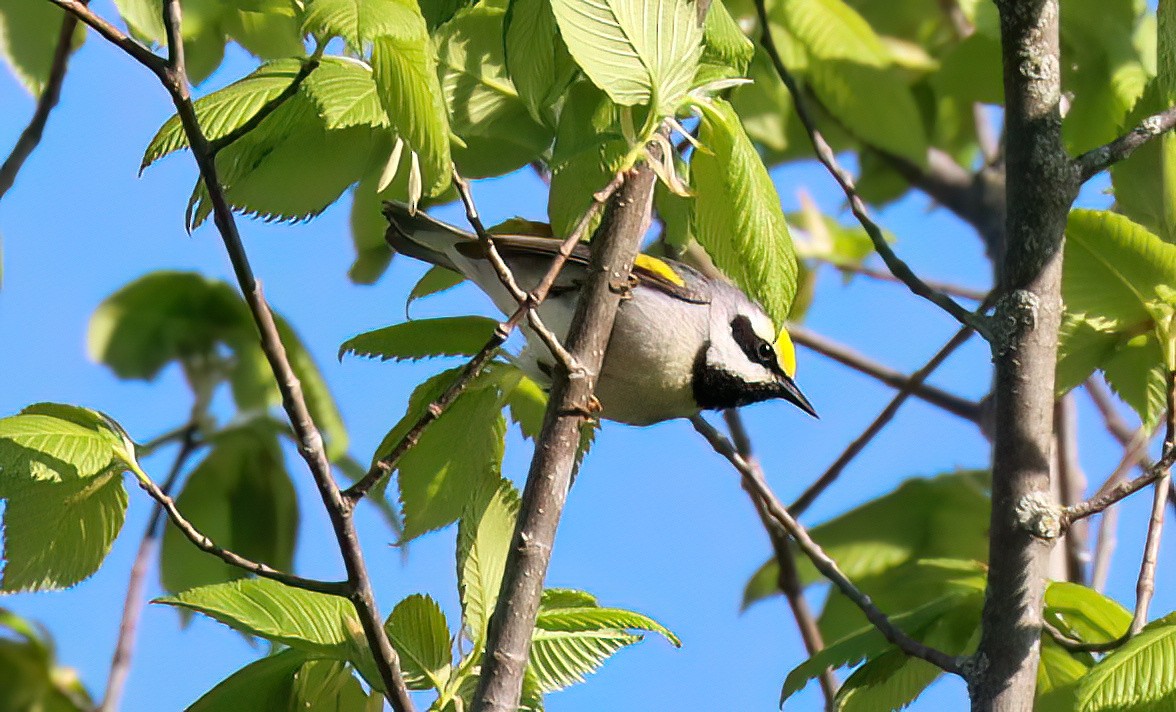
(419, 236)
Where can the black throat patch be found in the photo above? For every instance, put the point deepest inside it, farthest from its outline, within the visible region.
(716, 388)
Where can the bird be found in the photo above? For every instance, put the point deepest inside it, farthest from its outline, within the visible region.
(682, 342)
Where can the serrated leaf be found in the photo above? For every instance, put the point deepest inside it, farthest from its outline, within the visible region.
(454, 457)
(405, 73)
(315, 623)
(528, 406)
(423, 338)
(1139, 675)
(273, 32)
(1085, 613)
(831, 30)
(163, 317)
(571, 619)
(28, 36)
(360, 22)
(420, 635)
(637, 52)
(222, 111)
(241, 497)
(344, 93)
(560, 659)
(737, 215)
(589, 150)
(483, 540)
(536, 57)
(1082, 349)
(1136, 373)
(553, 598)
(59, 444)
(58, 533)
(486, 112)
(329, 686)
(436, 280)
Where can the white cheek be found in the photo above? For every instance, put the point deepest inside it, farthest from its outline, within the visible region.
(728, 356)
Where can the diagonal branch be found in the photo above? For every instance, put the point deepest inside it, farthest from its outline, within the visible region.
(754, 482)
(385, 465)
(50, 94)
(954, 290)
(139, 52)
(966, 409)
(310, 64)
(614, 249)
(1095, 161)
(905, 391)
(787, 580)
(825, 155)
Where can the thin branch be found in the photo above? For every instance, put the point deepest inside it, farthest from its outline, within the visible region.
(1071, 484)
(1118, 492)
(1095, 161)
(358, 587)
(1100, 569)
(128, 44)
(50, 94)
(966, 409)
(905, 391)
(787, 580)
(829, 568)
(613, 251)
(385, 465)
(311, 63)
(845, 180)
(120, 664)
(204, 543)
(975, 295)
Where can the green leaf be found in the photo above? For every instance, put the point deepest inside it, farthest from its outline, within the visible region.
(405, 71)
(724, 42)
(28, 36)
(58, 533)
(868, 643)
(483, 539)
(571, 641)
(329, 686)
(831, 29)
(30, 678)
(638, 52)
(360, 22)
(1058, 675)
(1082, 349)
(536, 57)
(1136, 373)
(486, 112)
(241, 497)
(737, 215)
(423, 338)
(1139, 675)
(528, 406)
(420, 635)
(589, 150)
(291, 167)
(944, 517)
(368, 224)
(272, 33)
(344, 93)
(315, 623)
(60, 444)
(1143, 181)
(265, 684)
(843, 87)
(436, 280)
(163, 317)
(455, 455)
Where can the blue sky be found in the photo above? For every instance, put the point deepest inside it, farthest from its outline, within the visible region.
(656, 522)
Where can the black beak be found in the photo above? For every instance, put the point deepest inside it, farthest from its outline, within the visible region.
(792, 394)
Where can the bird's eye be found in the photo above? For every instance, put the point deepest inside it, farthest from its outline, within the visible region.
(765, 352)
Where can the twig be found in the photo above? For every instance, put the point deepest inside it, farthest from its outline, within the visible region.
(1118, 492)
(385, 465)
(787, 579)
(966, 409)
(50, 94)
(1095, 161)
(614, 248)
(507, 278)
(1071, 484)
(845, 180)
(829, 568)
(357, 589)
(905, 391)
(954, 290)
(120, 664)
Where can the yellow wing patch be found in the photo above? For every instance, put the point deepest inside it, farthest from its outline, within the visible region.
(651, 264)
(786, 353)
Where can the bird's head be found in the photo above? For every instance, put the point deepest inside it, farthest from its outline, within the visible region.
(744, 360)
